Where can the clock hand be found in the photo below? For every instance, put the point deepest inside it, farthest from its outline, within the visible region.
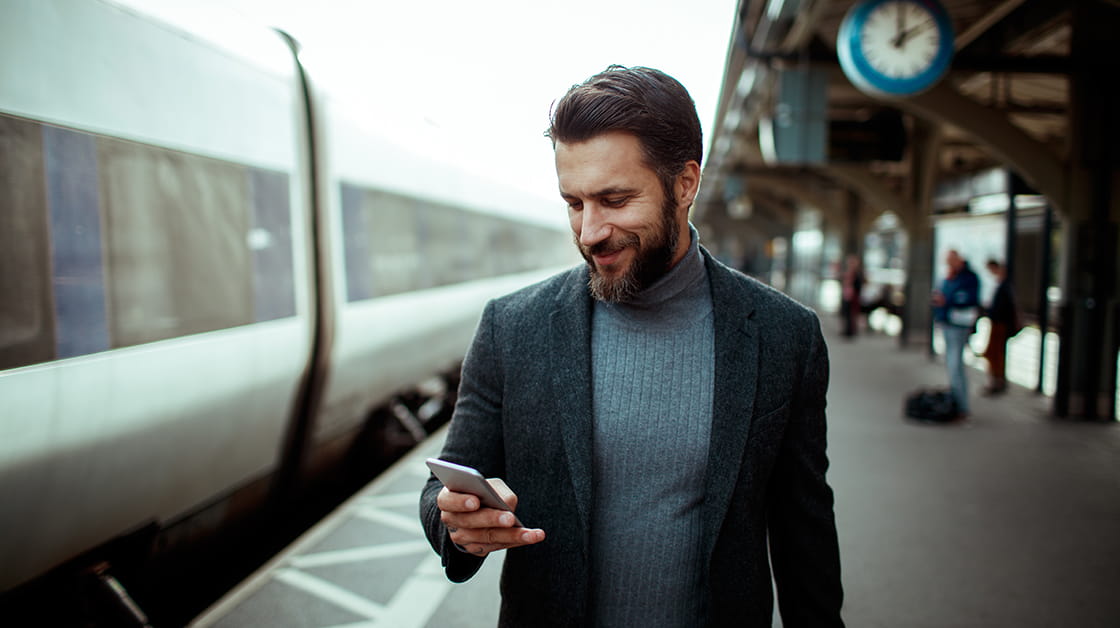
(900, 22)
(900, 41)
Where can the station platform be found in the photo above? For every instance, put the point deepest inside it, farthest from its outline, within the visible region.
(1011, 518)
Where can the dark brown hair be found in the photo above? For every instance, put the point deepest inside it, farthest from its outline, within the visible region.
(647, 103)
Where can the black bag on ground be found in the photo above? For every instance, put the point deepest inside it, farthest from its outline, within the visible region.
(932, 405)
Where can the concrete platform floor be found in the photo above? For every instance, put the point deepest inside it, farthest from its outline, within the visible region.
(1010, 519)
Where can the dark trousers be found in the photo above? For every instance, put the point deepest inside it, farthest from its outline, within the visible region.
(850, 311)
(996, 354)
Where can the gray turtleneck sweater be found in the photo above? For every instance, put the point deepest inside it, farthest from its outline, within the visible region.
(652, 369)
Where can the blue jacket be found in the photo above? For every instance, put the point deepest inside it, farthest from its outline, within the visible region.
(961, 293)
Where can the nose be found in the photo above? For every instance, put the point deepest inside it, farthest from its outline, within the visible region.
(593, 225)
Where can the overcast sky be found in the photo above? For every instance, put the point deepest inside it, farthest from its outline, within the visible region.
(484, 73)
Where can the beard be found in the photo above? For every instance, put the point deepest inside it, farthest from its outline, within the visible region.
(649, 264)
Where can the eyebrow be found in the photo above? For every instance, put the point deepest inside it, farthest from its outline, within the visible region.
(604, 192)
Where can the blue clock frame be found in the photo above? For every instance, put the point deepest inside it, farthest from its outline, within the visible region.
(860, 71)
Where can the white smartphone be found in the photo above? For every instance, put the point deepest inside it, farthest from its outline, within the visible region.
(463, 479)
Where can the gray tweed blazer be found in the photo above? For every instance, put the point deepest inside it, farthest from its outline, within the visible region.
(524, 414)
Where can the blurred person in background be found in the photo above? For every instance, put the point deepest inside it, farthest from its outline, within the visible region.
(851, 302)
(1005, 323)
(956, 308)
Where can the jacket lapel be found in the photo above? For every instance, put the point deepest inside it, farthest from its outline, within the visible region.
(570, 356)
(736, 377)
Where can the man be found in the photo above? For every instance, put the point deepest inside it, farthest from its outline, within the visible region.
(851, 303)
(1004, 317)
(957, 306)
(660, 416)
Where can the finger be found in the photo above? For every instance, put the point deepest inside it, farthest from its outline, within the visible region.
(478, 519)
(493, 539)
(527, 538)
(486, 526)
(507, 495)
(476, 550)
(450, 501)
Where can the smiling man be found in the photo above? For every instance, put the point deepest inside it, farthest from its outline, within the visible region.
(626, 226)
(659, 416)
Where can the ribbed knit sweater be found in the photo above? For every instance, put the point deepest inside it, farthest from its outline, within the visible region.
(652, 369)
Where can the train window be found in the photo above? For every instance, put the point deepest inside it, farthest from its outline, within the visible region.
(487, 255)
(76, 242)
(381, 233)
(175, 234)
(447, 246)
(355, 243)
(115, 243)
(26, 316)
(395, 244)
(274, 291)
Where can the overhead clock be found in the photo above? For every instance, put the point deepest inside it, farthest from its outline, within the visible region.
(895, 48)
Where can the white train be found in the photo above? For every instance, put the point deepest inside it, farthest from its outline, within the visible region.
(210, 276)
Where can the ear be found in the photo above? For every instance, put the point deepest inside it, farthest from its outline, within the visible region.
(687, 184)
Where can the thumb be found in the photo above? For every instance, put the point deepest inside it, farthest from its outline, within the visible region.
(504, 492)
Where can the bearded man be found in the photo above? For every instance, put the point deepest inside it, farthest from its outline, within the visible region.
(660, 417)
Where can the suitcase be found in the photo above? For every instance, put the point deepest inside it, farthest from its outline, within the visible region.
(937, 406)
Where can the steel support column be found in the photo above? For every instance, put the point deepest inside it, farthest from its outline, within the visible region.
(1091, 257)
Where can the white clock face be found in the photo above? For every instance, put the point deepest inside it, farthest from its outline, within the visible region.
(900, 39)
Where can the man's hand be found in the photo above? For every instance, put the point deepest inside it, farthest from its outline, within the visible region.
(478, 530)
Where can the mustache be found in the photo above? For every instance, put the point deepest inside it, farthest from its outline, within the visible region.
(606, 247)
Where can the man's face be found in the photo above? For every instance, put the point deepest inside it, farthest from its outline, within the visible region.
(625, 227)
(955, 262)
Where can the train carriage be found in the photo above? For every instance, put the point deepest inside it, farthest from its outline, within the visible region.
(214, 274)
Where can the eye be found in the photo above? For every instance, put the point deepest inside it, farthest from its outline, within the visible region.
(616, 201)
(575, 205)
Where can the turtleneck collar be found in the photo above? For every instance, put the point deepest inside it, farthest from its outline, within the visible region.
(673, 297)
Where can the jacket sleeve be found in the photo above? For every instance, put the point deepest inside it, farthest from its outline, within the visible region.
(474, 438)
(802, 527)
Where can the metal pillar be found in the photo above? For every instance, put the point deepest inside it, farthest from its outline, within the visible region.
(1043, 287)
(1089, 285)
(853, 242)
(925, 141)
(1015, 187)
